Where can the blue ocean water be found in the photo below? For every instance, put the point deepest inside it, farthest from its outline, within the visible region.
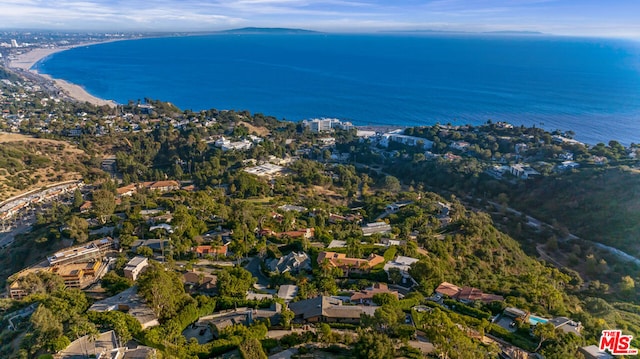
(590, 86)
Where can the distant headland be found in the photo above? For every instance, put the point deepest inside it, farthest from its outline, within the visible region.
(267, 30)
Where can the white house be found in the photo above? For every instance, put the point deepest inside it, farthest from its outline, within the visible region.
(135, 266)
(523, 171)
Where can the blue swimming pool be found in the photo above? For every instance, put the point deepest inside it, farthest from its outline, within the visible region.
(533, 320)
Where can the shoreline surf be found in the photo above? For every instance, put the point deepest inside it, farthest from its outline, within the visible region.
(28, 60)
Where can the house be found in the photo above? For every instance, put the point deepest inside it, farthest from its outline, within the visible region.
(128, 190)
(105, 345)
(460, 145)
(265, 170)
(245, 316)
(135, 266)
(293, 262)
(323, 309)
(130, 302)
(157, 245)
(397, 136)
(201, 281)
(568, 165)
(86, 206)
(307, 233)
(18, 289)
(370, 229)
(523, 171)
(347, 264)
(327, 141)
(593, 352)
(567, 325)
(78, 275)
(403, 264)
(366, 296)
(514, 313)
(466, 294)
(162, 186)
(444, 214)
(209, 250)
(88, 252)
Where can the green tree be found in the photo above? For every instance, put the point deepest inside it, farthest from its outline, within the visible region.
(391, 184)
(145, 251)
(326, 335)
(46, 329)
(544, 332)
(77, 199)
(162, 289)
(286, 316)
(371, 345)
(388, 315)
(235, 282)
(78, 229)
(627, 286)
(395, 275)
(103, 204)
(114, 283)
(385, 298)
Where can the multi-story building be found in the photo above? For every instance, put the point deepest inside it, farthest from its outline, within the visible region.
(135, 266)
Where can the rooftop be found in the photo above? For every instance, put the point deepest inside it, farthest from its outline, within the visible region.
(128, 301)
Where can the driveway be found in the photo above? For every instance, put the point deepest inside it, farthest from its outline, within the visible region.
(254, 267)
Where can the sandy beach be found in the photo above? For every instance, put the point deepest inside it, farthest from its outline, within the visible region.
(27, 60)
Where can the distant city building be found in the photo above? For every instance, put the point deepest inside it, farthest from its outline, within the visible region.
(14, 43)
(326, 124)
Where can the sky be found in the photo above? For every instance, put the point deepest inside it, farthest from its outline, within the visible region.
(611, 18)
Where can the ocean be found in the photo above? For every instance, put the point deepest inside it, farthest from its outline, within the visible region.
(589, 86)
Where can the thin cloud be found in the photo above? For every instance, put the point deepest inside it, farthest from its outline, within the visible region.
(587, 17)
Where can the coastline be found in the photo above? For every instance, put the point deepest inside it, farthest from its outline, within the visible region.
(26, 61)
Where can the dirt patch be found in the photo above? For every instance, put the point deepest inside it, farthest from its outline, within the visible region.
(261, 131)
(332, 196)
(16, 137)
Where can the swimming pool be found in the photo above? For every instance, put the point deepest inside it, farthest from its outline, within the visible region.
(533, 320)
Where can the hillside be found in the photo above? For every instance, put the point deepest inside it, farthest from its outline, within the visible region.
(601, 205)
(28, 163)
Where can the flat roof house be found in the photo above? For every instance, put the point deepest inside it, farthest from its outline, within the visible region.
(135, 266)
